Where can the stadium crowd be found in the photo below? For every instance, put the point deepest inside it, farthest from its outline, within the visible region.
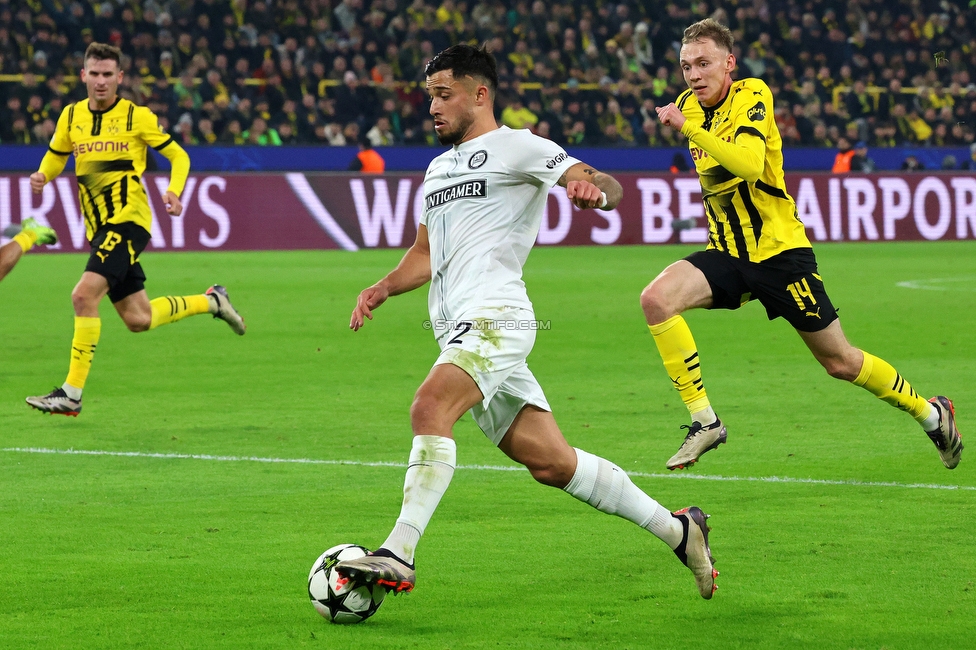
(270, 72)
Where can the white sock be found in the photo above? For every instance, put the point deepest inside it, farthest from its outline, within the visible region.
(607, 488)
(931, 421)
(71, 391)
(429, 472)
(706, 416)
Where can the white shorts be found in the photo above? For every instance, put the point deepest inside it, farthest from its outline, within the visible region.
(491, 345)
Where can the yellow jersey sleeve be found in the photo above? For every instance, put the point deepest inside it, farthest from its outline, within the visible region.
(147, 124)
(753, 114)
(751, 118)
(56, 157)
(61, 140)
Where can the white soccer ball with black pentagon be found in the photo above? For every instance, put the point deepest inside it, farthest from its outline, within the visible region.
(334, 596)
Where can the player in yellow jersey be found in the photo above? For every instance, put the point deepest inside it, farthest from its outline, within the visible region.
(25, 235)
(108, 136)
(757, 250)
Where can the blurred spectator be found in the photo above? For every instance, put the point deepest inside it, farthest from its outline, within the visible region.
(367, 160)
(381, 135)
(260, 134)
(286, 134)
(19, 133)
(885, 135)
(860, 161)
(883, 55)
(44, 131)
(205, 131)
(233, 133)
(333, 134)
(971, 162)
(912, 164)
(517, 116)
(351, 132)
(842, 161)
(352, 101)
(183, 131)
(679, 163)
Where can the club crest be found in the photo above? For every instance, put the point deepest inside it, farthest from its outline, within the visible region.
(478, 159)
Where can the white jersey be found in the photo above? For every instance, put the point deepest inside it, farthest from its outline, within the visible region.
(483, 206)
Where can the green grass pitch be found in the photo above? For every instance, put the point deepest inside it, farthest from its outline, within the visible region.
(861, 548)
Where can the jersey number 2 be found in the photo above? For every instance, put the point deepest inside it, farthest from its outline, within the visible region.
(465, 327)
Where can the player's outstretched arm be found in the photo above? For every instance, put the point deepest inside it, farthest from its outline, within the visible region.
(179, 162)
(744, 157)
(412, 272)
(52, 164)
(57, 153)
(586, 187)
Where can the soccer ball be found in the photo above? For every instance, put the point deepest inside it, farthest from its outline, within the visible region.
(333, 596)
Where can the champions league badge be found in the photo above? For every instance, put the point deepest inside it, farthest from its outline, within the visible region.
(478, 159)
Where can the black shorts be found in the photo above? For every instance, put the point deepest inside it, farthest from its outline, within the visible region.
(787, 285)
(115, 256)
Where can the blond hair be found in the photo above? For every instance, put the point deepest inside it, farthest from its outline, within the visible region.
(710, 29)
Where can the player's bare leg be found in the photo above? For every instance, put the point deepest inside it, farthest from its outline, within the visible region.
(843, 361)
(446, 394)
(10, 254)
(135, 311)
(534, 440)
(678, 288)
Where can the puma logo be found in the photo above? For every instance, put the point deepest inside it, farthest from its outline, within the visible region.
(674, 380)
(814, 313)
(102, 256)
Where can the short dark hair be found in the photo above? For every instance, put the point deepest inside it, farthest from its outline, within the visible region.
(104, 52)
(465, 60)
(712, 29)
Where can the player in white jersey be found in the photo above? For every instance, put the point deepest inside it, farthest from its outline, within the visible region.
(484, 200)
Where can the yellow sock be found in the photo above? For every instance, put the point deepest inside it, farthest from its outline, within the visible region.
(170, 309)
(26, 239)
(680, 354)
(881, 380)
(87, 331)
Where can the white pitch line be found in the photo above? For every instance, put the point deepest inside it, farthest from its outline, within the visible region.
(964, 283)
(490, 468)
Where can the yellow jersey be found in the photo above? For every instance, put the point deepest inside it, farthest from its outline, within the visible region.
(750, 214)
(109, 148)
